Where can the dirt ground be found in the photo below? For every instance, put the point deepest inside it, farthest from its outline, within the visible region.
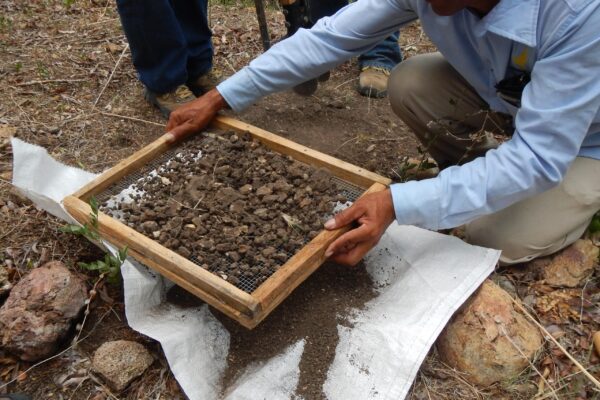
(68, 84)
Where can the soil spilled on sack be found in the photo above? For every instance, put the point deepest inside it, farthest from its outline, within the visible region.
(312, 312)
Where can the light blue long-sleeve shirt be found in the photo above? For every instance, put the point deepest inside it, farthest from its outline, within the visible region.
(557, 41)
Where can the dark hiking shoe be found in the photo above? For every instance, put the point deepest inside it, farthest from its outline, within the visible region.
(206, 82)
(308, 88)
(373, 81)
(168, 102)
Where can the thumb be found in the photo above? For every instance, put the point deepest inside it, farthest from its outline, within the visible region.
(345, 217)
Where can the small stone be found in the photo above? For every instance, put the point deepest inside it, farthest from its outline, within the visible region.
(233, 138)
(281, 257)
(227, 195)
(295, 170)
(234, 256)
(370, 148)
(573, 265)
(39, 311)
(150, 226)
(305, 202)
(120, 362)
(223, 170)
(261, 212)
(482, 338)
(5, 285)
(271, 198)
(156, 234)
(246, 189)
(281, 185)
(268, 251)
(264, 190)
(237, 206)
(165, 181)
(190, 226)
(223, 247)
(184, 252)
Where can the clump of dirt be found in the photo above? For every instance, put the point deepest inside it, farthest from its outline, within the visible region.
(232, 206)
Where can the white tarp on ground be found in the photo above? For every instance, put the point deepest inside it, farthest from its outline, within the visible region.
(423, 277)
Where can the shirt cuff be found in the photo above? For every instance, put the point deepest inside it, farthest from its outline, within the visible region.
(239, 91)
(417, 203)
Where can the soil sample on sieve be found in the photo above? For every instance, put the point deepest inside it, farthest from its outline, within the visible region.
(231, 205)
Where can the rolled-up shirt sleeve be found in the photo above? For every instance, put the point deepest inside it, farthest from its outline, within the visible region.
(309, 53)
(558, 107)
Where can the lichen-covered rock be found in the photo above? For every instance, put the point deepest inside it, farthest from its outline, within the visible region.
(40, 310)
(488, 338)
(572, 265)
(120, 362)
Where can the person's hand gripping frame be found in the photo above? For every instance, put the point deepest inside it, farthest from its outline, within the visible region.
(373, 213)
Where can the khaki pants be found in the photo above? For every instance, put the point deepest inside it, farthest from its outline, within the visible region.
(453, 124)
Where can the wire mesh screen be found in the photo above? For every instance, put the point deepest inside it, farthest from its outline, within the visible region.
(248, 281)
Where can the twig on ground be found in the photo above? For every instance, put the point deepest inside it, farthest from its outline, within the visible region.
(345, 83)
(111, 75)
(49, 81)
(347, 141)
(565, 352)
(583, 300)
(537, 371)
(88, 302)
(132, 118)
(229, 65)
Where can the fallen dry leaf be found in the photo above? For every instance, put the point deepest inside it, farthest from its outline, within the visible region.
(6, 132)
(596, 340)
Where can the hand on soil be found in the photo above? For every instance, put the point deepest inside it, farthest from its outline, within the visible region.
(195, 115)
(374, 213)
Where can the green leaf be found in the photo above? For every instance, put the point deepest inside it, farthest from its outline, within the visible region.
(123, 254)
(74, 229)
(595, 224)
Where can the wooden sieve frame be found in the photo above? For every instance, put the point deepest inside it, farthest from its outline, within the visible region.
(249, 309)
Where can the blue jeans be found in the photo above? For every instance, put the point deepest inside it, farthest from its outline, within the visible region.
(170, 40)
(385, 55)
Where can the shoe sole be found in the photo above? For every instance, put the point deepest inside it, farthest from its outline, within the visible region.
(372, 93)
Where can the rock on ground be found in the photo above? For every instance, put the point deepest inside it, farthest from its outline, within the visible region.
(120, 362)
(5, 285)
(488, 339)
(39, 311)
(571, 266)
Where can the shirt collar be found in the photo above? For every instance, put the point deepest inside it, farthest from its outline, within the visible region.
(513, 19)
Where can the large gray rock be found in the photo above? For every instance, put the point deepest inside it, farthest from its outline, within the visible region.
(573, 265)
(39, 311)
(488, 338)
(120, 362)
(5, 285)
